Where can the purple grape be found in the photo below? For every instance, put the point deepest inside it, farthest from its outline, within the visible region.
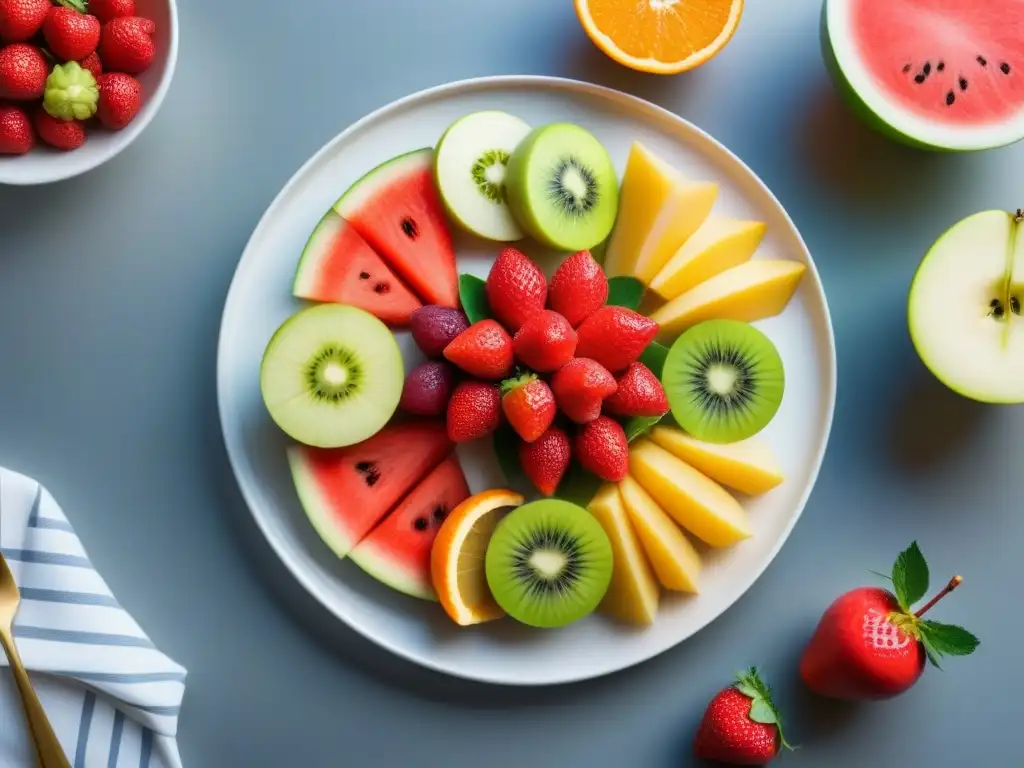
(428, 387)
(433, 328)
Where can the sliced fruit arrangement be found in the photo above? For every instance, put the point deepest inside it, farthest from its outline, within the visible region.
(62, 64)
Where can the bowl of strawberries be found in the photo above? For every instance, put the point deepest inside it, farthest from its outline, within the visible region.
(79, 81)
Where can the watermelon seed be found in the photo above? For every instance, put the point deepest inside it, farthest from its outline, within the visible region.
(906, 68)
(1005, 68)
(439, 513)
(963, 83)
(950, 98)
(927, 68)
(920, 78)
(369, 471)
(940, 66)
(983, 61)
(381, 288)
(410, 229)
(364, 275)
(421, 523)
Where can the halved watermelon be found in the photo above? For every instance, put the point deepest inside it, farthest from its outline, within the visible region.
(397, 552)
(338, 266)
(346, 491)
(396, 208)
(936, 74)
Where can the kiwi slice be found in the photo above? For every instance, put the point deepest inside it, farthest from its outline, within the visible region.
(562, 188)
(724, 380)
(470, 171)
(332, 376)
(549, 563)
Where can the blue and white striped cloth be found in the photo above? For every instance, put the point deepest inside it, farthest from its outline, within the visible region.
(113, 699)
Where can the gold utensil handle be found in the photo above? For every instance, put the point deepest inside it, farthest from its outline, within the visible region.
(48, 749)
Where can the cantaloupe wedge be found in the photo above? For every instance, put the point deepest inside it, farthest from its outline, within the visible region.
(719, 244)
(751, 291)
(695, 501)
(634, 593)
(659, 209)
(674, 558)
(748, 466)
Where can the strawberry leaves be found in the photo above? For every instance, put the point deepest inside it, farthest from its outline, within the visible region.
(910, 576)
(762, 708)
(473, 295)
(625, 291)
(945, 640)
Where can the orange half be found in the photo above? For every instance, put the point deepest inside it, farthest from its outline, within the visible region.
(457, 557)
(661, 36)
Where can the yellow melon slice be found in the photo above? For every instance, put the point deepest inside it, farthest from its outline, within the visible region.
(697, 502)
(633, 594)
(751, 291)
(748, 466)
(720, 243)
(659, 210)
(674, 558)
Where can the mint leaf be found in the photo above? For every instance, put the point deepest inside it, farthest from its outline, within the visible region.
(473, 295)
(910, 577)
(654, 357)
(626, 292)
(948, 639)
(638, 426)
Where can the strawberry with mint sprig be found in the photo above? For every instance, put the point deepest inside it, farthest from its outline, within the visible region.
(871, 644)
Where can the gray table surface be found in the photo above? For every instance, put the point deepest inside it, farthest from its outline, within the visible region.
(111, 289)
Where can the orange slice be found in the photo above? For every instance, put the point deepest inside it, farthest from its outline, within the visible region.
(661, 36)
(457, 557)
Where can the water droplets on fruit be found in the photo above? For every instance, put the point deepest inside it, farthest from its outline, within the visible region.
(333, 374)
(573, 188)
(489, 175)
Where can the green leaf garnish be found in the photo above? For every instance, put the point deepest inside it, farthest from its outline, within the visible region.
(473, 295)
(762, 708)
(578, 486)
(654, 358)
(625, 291)
(506, 450)
(910, 577)
(638, 426)
(77, 5)
(947, 639)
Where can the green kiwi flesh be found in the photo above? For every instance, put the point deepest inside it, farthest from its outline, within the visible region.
(562, 188)
(549, 563)
(724, 381)
(332, 376)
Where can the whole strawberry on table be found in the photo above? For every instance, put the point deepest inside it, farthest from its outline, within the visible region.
(66, 66)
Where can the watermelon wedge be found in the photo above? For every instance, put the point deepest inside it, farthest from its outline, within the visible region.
(396, 208)
(936, 74)
(338, 266)
(397, 552)
(346, 491)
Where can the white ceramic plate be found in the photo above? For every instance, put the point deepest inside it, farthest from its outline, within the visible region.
(504, 652)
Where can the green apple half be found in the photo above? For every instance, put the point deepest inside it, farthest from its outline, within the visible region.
(964, 308)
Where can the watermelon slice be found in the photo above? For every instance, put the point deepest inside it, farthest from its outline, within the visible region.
(936, 74)
(346, 491)
(338, 266)
(397, 552)
(396, 208)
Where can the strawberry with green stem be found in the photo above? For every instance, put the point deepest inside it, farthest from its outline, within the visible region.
(871, 644)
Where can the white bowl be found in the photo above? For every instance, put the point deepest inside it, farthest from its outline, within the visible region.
(44, 165)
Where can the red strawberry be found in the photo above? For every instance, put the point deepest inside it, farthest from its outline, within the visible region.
(546, 460)
(529, 406)
(516, 289)
(483, 350)
(545, 342)
(639, 394)
(474, 411)
(70, 35)
(21, 19)
(16, 136)
(61, 134)
(23, 72)
(580, 386)
(579, 288)
(93, 64)
(105, 10)
(127, 44)
(120, 100)
(602, 448)
(871, 645)
(615, 337)
(741, 725)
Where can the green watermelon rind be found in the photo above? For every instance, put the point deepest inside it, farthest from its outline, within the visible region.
(389, 573)
(383, 176)
(871, 117)
(316, 506)
(313, 253)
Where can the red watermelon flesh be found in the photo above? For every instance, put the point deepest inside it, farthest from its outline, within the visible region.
(396, 208)
(397, 552)
(958, 62)
(346, 491)
(338, 266)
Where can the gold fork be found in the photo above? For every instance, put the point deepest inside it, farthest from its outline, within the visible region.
(48, 750)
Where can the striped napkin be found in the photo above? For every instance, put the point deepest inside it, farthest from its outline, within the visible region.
(112, 698)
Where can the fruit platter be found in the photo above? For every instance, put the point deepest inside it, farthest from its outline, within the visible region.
(526, 380)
